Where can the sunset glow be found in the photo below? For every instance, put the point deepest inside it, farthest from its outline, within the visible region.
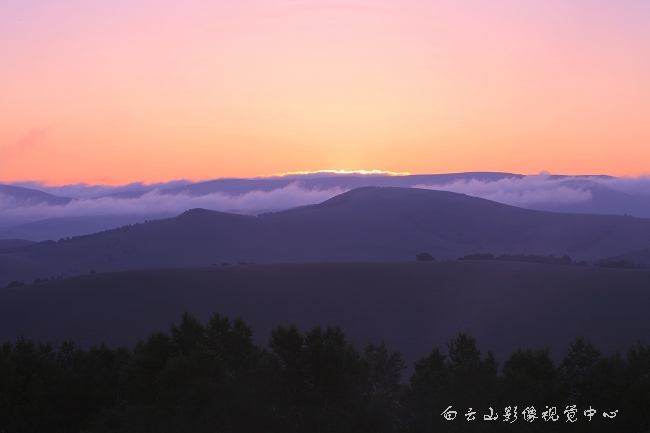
(357, 172)
(126, 91)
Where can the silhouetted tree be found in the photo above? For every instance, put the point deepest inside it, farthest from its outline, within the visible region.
(577, 371)
(636, 387)
(465, 379)
(428, 393)
(211, 377)
(530, 378)
(620, 264)
(383, 392)
(530, 258)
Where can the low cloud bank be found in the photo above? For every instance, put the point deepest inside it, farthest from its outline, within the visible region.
(544, 191)
(548, 192)
(154, 202)
(637, 186)
(525, 191)
(85, 191)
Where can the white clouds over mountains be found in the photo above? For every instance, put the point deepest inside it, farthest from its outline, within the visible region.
(585, 194)
(156, 202)
(520, 191)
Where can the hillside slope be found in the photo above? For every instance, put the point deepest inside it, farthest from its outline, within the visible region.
(412, 306)
(639, 257)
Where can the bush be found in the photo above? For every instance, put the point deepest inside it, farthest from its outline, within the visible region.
(424, 257)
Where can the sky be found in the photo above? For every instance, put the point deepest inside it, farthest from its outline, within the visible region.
(110, 93)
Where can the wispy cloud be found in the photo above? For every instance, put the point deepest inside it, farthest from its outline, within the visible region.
(547, 189)
(31, 141)
(544, 192)
(524, 191)
(154, 202)
(639, 186)
(85, 191)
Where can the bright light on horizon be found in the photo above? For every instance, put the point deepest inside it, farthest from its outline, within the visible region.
(343, 172)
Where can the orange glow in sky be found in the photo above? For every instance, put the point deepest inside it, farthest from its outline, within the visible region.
(336, 172)
(123, 91)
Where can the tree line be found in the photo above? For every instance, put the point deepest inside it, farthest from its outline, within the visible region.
(527, 258)
(212, 377)
(620, 264)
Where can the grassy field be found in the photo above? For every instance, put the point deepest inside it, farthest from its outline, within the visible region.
(413, 306)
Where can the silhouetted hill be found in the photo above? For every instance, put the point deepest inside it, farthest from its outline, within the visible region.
(412, 306)
(366, 224)
(32, 197)
(603, 200)
(13, 243)
(557, 193)
(321, 181)
(16, 196)
(56, 228)
(640, 257)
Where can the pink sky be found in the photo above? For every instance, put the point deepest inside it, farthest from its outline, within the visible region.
(122, 91)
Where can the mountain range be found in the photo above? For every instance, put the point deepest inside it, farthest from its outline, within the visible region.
(364, 224)
(28, 213)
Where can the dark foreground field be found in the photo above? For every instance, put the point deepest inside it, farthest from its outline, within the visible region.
(412, 306)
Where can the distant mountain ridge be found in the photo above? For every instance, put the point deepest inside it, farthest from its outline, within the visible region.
(639, 257)
(242, 186)
(365, 224)
(57, 228)
(557, 193)
(29, 196)
(39, 229)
